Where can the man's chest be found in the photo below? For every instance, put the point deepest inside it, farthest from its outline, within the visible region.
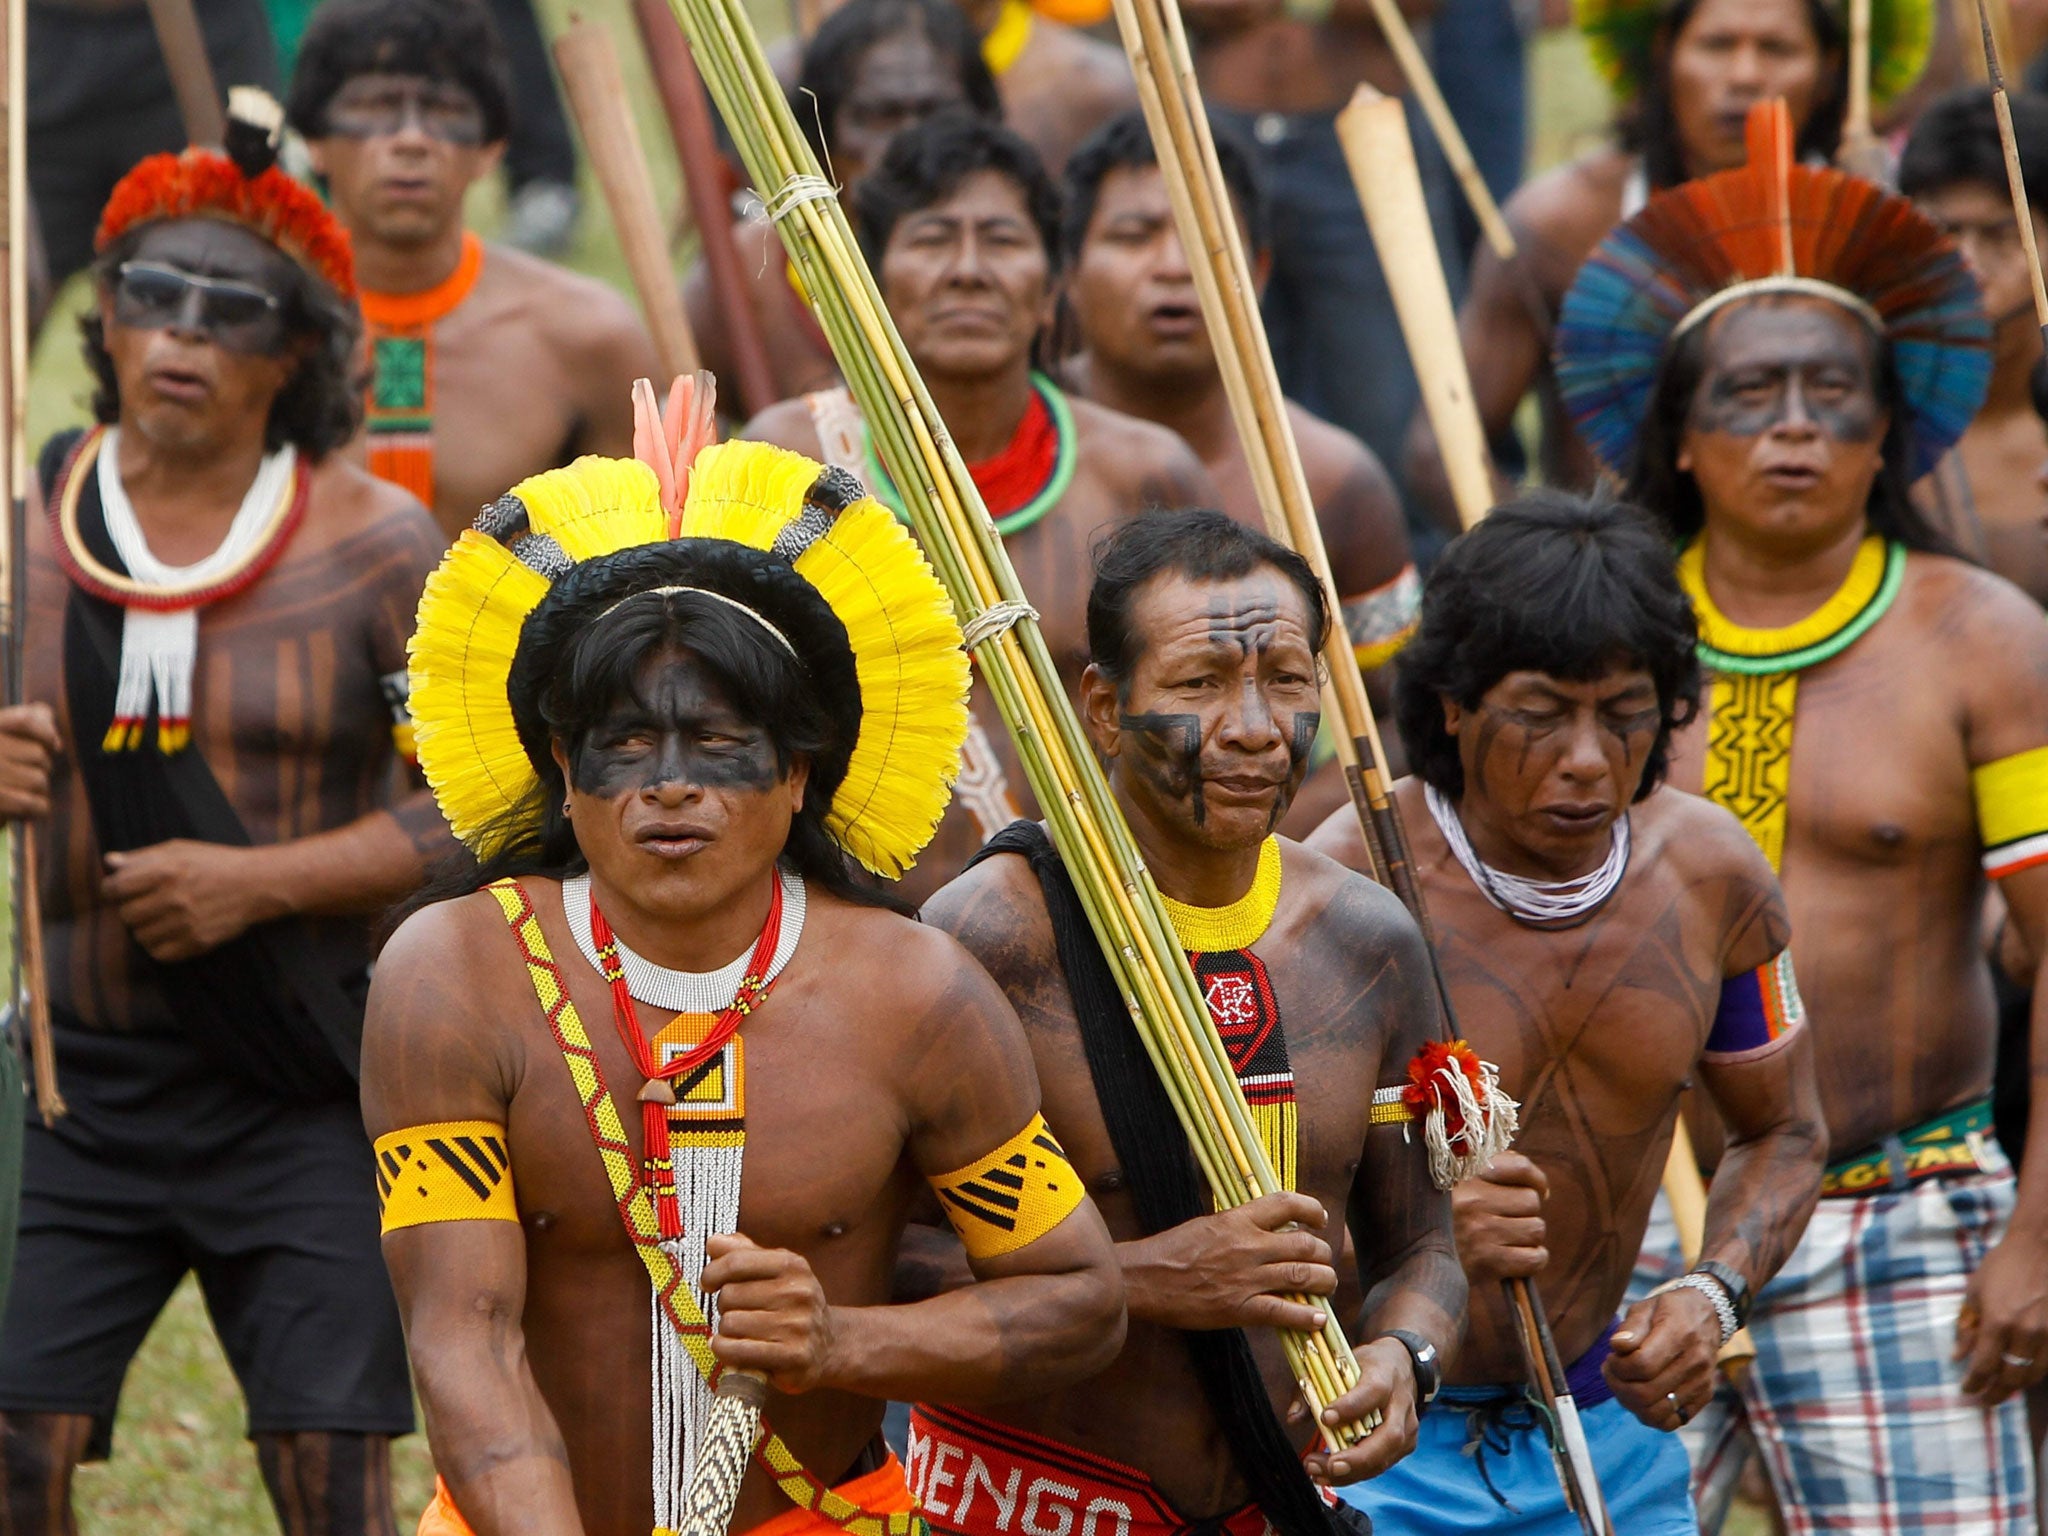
(498, 416)
(1866, 752)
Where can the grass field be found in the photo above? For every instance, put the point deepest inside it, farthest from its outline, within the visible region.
(181, 1465)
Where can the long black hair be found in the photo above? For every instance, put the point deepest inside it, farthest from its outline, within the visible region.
(586, 649)
(1656, 483)
(1555, 583)
(320, 406)
(1648, 125)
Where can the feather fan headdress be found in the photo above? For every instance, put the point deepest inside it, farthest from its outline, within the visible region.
(241, 186)
(1772, 227)
(824, 568)
(1621, 36)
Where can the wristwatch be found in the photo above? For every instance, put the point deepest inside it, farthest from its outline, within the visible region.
(1730, 1280)
(1429, 1370)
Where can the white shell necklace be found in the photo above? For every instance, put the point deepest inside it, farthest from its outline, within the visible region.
(1536, 903)
(684, 991)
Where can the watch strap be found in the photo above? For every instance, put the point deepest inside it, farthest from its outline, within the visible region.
(1730, 1280)
(1428, 1363)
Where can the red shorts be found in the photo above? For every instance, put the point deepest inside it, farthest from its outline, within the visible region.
(882, 1492)
(975, 1477)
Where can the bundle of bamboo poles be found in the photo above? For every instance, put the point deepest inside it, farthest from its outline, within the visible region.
(1123, 905)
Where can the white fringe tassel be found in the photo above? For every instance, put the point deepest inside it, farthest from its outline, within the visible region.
(708, 1195)
(1487, 1110)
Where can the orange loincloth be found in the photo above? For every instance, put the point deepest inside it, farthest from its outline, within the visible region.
(882, 1492)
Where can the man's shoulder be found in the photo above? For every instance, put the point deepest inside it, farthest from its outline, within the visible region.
(1577, 192)
(1141, 460)
(1087, 63)
(1943, 583)
(457, 954)
(786, 424)
(348, 502)
(995, 909)
(1697, 839)
(1340, 906)
(578, 310)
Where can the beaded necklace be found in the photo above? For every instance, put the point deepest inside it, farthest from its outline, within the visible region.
(1756, 681)
(399, 418)
(1534, 903)
(1024, 481)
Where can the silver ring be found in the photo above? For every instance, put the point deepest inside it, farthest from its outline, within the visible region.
(2018, 1362)
(1677, 1412)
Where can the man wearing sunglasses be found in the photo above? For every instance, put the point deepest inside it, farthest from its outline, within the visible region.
(490, 365)
(217, 616)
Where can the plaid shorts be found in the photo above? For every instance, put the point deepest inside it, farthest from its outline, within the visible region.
(1853, 1398)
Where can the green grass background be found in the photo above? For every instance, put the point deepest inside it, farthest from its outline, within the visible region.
(181, 1463)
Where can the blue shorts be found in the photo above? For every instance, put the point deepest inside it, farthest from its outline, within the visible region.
(1471, 1437)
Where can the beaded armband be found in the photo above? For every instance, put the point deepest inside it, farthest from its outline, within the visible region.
(1381, 621)
(1759, 1014)
(397, 690)
(1013, 1195)
(457, 1170)
(2012, 811)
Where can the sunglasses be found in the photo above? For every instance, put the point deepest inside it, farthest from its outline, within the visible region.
(238, 316)
(445, 112)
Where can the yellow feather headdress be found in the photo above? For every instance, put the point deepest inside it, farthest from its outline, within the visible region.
(749, 509)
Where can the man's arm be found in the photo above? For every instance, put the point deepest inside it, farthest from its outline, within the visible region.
(2003, 1328)
(434, 1052)
(1400, 1221)
(1042, 1315)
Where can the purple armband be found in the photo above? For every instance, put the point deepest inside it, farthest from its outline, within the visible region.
(1760, 1012)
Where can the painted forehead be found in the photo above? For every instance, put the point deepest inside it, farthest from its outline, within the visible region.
(904, 66)
(215, 248)
(1787, 333)
(1256, 611)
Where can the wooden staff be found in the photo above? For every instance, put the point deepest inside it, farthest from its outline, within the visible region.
(2015, 181)
(26, 963)
(191, 72)
(689, 125)
(596, 88)
(1373, 130)
(1415, 68)
(1687, 1193)
(1860, 153)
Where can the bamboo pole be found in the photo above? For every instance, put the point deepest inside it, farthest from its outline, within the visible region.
(1860, 153)
(1415, 69)
(191, 72)
(690, 128)
(596, 88)
(1373, 131)
(1687, 1193)
(1124, 908)
(29, 989)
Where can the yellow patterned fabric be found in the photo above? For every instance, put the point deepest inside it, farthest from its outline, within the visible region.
(2012, 811)
(1749, 752)
(454, 1170)
(1012, 1196)
(1241, 924)
(636, 1210)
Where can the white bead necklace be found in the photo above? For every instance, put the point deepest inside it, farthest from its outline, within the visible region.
(1538, 903)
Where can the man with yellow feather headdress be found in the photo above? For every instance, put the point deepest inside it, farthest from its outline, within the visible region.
(670, 707)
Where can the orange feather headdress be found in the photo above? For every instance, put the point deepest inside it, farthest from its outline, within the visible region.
(1772, 227)
(242, 186)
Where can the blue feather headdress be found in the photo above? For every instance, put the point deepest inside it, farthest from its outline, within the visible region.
(1772, 227)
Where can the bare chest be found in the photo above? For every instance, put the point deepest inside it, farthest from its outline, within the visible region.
(497, 401)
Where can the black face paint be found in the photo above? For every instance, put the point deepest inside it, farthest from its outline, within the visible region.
(1299, 746)
(1252, 627)
(681, 732)
(1169, 755)
(1769, 364)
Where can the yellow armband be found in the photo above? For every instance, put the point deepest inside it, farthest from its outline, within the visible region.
(1013, 1195)
(458, 1170)
(1383, 620)
(2012, 811)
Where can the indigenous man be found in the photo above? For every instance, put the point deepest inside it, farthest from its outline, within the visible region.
(961, 226)
(874, 68)
(1146, 351)
(1606, 942)
(1202, 695)
(1686, 72)
(668, 752)
(218, 610)
(1954, 170)
(1774, 420)
(489, 364)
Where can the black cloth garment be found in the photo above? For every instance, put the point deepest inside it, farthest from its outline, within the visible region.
(1168, 1190)
(280, 1007)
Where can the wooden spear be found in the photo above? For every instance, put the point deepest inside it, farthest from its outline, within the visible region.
(191, 72)
(1415, 69)
(2015, 181)
(29, 987)
(1373, 131)
(689, 125)
(596, 88)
